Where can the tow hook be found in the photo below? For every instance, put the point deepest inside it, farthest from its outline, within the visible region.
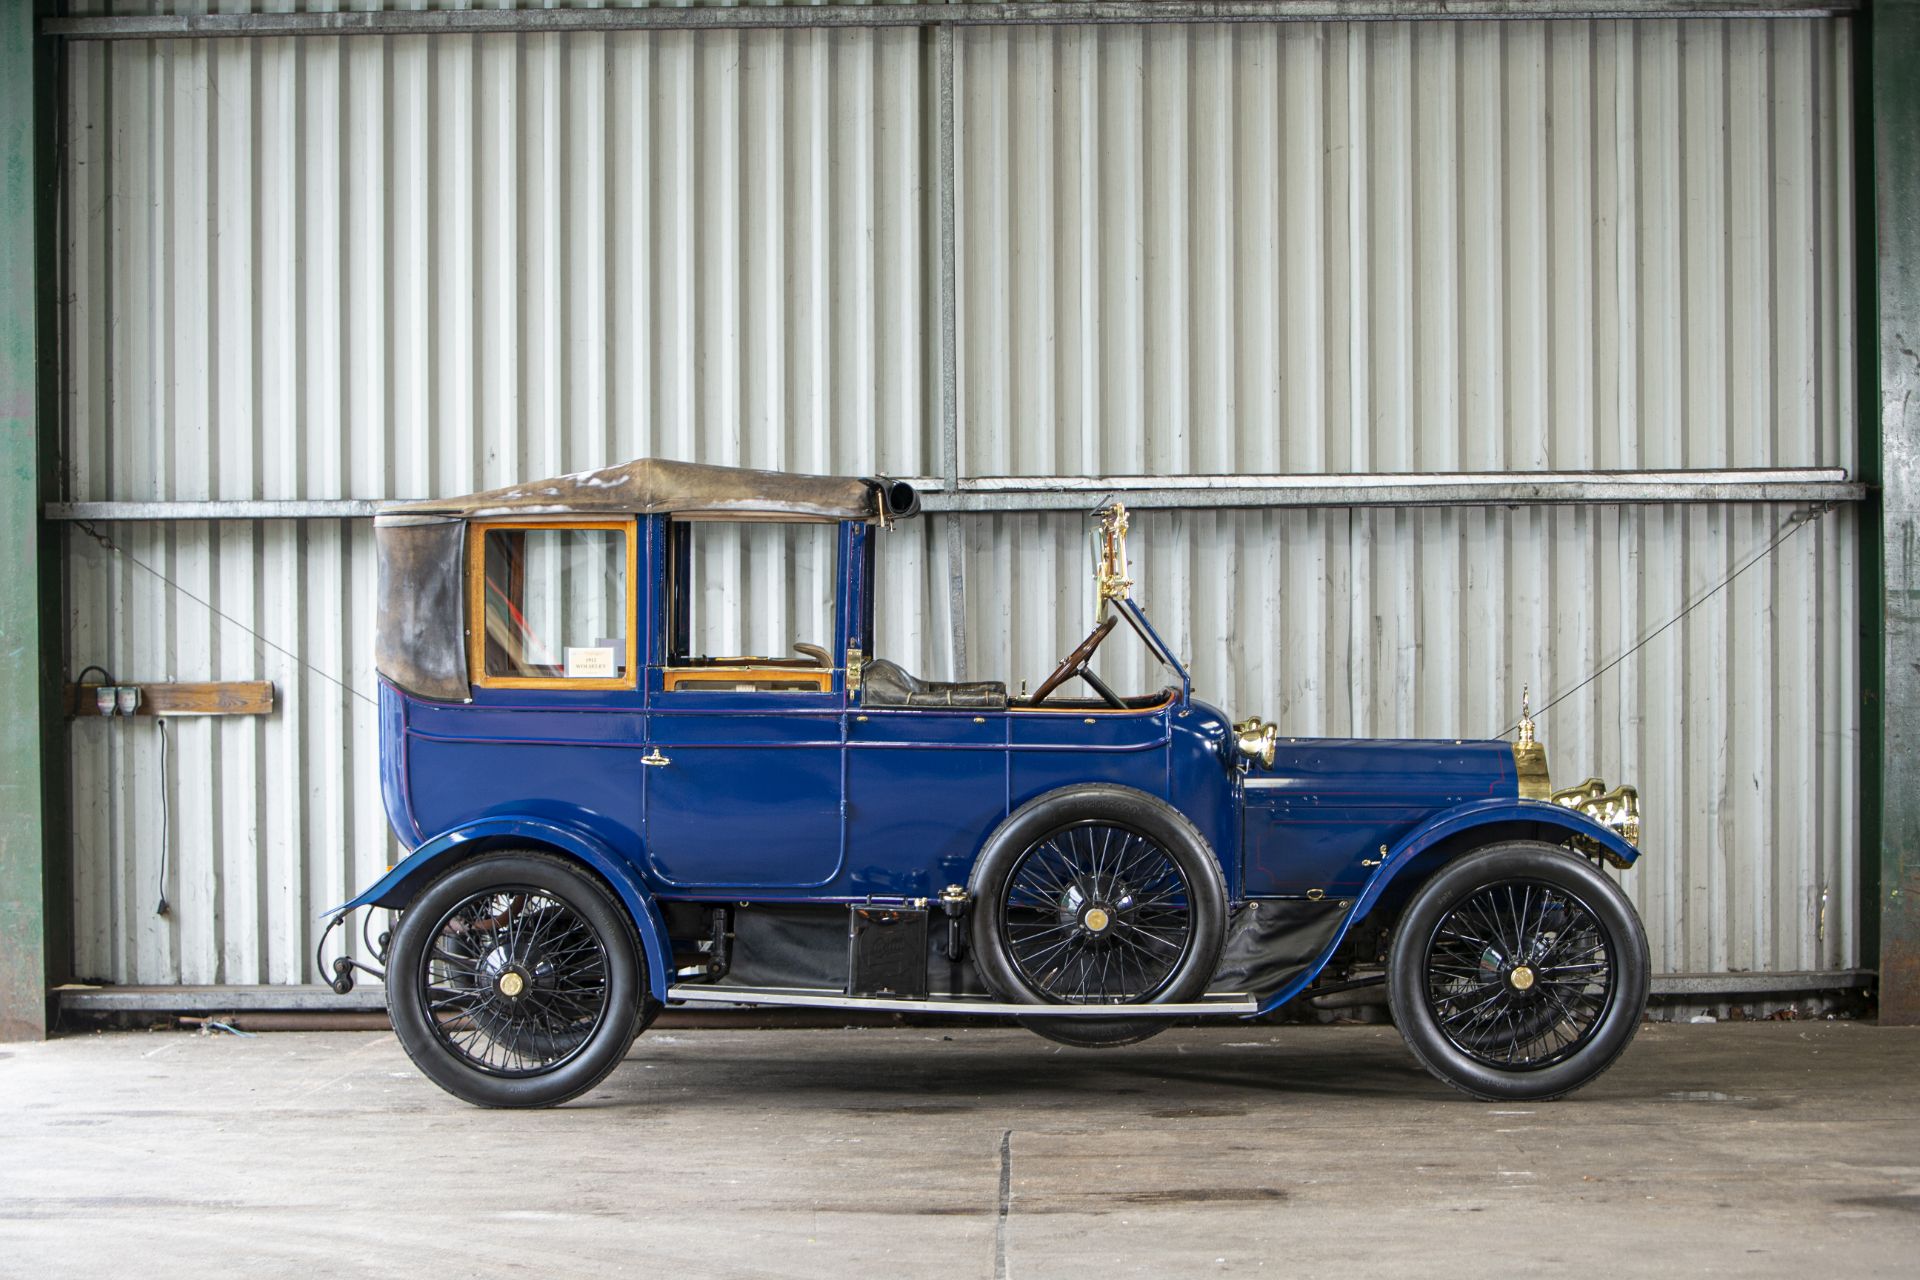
(343, 967)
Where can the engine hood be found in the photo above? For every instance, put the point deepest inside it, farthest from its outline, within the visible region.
(1315, 819)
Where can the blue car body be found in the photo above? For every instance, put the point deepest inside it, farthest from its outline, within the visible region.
(816, 798)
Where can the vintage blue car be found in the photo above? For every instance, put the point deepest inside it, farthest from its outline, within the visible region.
(605, 819)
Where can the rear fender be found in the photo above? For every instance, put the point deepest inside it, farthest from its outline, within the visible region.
(1453, 832)
(405, 880)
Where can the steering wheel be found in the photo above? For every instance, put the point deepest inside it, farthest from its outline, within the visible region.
(814, 651)
(1075, 664)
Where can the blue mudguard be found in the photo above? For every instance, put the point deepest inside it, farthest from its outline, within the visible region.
(1497, 819)
(405, 879)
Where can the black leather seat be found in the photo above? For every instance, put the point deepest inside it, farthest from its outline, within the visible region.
(886, 684)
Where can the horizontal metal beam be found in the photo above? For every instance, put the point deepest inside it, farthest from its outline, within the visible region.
(288, 998)
(1780, 982)
(390, 22)
(1077, 493)
(235, 509)
(1458, 489)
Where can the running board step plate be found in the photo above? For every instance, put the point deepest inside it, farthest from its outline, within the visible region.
(804, 998)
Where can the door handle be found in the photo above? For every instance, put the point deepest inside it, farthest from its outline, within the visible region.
(654, 757)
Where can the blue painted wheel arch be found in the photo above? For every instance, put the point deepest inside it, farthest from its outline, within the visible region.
(1450, 834)
(400, 885)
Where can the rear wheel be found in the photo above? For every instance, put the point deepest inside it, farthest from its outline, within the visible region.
(514, 981)
(1097, 895)
(1519, 972)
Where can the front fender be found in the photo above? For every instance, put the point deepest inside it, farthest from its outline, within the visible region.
(405, 879)
(1562, 821)
(1487, 816)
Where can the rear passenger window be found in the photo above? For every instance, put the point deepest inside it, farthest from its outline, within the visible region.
(555, 605)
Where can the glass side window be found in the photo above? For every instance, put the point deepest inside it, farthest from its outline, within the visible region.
(751, 604)
(555, 605)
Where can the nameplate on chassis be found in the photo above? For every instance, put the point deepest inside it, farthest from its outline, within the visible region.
(1224, 1003)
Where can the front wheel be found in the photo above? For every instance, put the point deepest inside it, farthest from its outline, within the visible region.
(1519, 972)
(515, 981)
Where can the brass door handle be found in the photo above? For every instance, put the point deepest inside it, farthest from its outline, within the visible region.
(654, 757)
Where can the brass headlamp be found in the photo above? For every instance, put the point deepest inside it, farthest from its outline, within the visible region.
(1618, 809)
(1256, 739)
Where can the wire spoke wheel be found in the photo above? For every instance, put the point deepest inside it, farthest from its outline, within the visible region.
(1520, 974)
(514, 981)
(1096, 913)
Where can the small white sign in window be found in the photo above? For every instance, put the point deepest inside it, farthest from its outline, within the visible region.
(591, 662)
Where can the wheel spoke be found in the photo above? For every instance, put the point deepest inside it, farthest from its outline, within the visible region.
(1503, 1018)
(1046, 910)
(561, 997)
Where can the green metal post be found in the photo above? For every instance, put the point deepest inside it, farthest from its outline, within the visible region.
(1895, 106)
(30, 893)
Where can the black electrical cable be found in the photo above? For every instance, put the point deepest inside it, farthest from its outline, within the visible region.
(106, 677)
(166, 819)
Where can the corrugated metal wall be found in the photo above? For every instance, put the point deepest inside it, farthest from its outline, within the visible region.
(384, 267)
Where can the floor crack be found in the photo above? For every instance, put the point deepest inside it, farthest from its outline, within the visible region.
(1006, 1204)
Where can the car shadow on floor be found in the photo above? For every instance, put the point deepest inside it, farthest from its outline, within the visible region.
(1177, 1080)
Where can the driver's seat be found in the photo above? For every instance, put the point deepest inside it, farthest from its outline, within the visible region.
(886, 684)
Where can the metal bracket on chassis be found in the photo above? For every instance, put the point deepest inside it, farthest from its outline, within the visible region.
(342, 969)
(1224, 1003)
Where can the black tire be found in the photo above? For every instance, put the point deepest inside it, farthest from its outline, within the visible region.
(1160, 892)
(1519, 972)
(536, 987)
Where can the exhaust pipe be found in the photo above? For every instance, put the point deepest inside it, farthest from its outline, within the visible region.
(899, 498)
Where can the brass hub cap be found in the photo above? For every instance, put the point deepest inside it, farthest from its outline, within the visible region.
(1096, 920)
(1521, 978)
(512, 984)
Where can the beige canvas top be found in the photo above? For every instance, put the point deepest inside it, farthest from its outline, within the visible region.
(650, 486)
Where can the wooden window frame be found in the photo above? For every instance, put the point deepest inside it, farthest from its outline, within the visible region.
(722, 678)
(477, 532)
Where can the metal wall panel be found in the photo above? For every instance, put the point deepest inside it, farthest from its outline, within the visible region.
(388, 267)
(1405, 247)
(366, 267)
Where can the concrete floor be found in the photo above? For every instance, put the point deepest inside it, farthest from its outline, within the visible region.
(1788, 1149)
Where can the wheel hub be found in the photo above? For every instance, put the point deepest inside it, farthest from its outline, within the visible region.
(513, 977)
(1096, 905)
(1521, 978)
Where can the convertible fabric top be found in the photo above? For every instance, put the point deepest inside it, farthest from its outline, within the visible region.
(650, 486)
(420, 633)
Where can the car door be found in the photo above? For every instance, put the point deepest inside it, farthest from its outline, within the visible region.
(743, 778)
(743, 789)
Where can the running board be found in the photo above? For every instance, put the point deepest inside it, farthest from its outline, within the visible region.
(804, 998)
